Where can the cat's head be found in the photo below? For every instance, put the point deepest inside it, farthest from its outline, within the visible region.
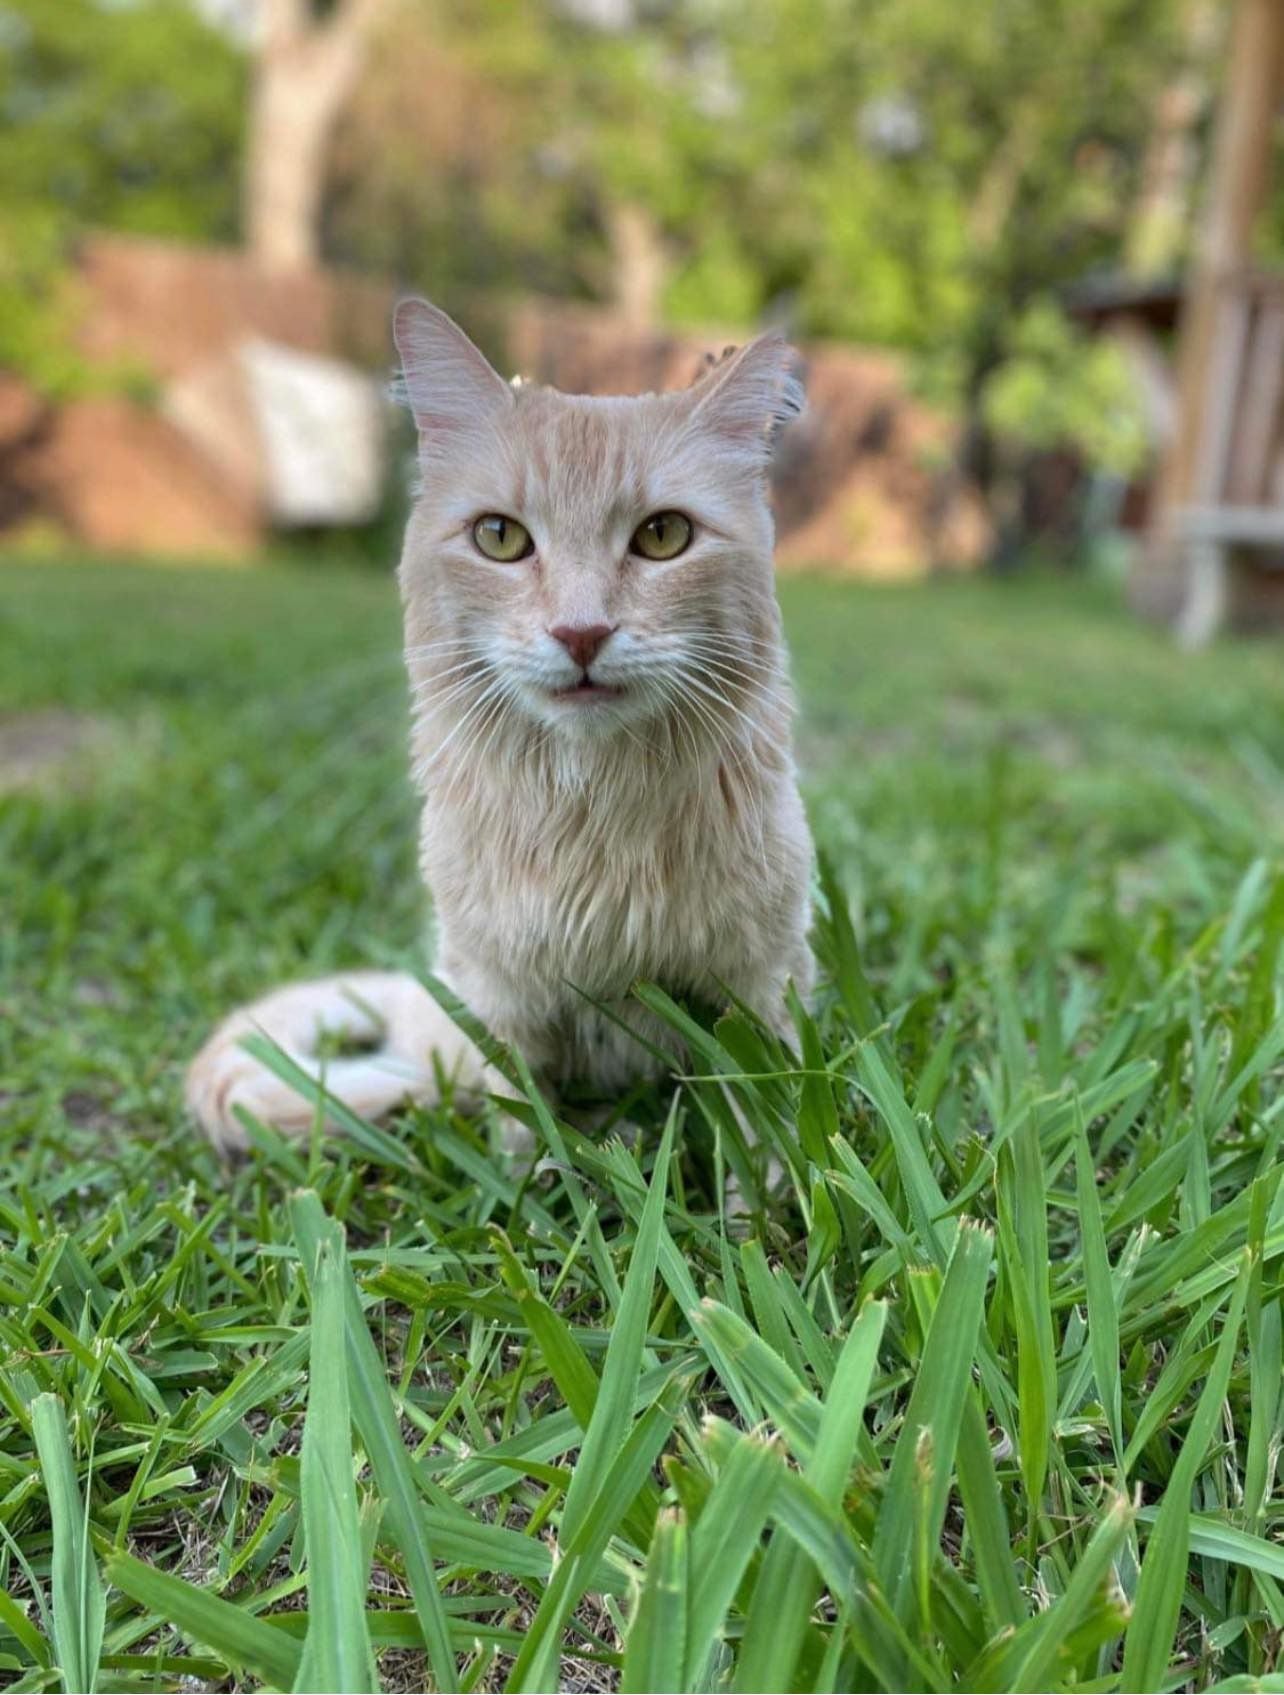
(589, 563)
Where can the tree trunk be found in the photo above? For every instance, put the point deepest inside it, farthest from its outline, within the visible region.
(304, 71)
(639, 264)
(1159, 222)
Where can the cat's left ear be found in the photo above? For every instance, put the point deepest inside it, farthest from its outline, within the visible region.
(750, 395)
(447, 383)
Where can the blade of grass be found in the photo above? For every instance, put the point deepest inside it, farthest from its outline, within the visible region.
(1220, 1541)
(986, 1521)
(375, 1143)
(337, 1656)
(613, 1409)
(1027, 1280)
(655, 1652)
(78, 1604)
(536, 1666)
(1157, 1605)
(375, 1417)
(235, 1635)
(935, 1405)
(1103, 1313)
(724, 1540)
(1029, 1659)
(729, 1341)
(789, 1583)
(923, 1194)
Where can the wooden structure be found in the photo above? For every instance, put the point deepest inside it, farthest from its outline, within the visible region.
(233, 353)
(1221, 494)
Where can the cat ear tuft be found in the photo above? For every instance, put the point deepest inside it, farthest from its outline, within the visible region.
(445, 381)
(749, 395)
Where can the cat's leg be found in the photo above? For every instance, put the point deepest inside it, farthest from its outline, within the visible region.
(409, 1036)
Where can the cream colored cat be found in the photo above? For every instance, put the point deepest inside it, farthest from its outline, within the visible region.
(601, 735)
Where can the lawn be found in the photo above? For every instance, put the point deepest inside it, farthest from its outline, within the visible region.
(986, 1397)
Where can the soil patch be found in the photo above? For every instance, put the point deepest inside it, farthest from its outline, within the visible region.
(35, 746)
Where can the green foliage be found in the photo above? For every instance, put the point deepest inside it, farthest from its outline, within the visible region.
(1060, 388)
(37, 307)
(913, 173)
(985, 1394)
(127, 116)
(116, 116)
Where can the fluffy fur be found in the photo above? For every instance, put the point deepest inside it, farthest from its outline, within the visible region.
(573, 843)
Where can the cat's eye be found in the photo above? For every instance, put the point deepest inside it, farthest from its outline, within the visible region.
(664, 535)
(502, 539)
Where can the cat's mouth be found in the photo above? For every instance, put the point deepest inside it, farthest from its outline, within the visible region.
(586, 692)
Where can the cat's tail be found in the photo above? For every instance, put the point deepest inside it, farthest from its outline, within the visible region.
(404, 1034)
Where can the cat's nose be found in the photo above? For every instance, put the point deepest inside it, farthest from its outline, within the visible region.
(583, 641)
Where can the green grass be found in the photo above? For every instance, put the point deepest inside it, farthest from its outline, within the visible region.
(987, 1397)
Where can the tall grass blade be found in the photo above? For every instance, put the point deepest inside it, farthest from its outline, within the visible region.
(935, 1407)
(1157, 1605)
(724, 1540)
(337, 1656)
(656, 1651)
(536, 1666)
(1036, 1656)
(789, 1583)
(236, 1636)
(375, 1417)
(613, 1409)
(78, 1605)
(986, 1519)
(1103, 1314)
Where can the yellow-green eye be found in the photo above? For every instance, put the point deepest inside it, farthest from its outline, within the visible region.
(664, 535)
(502, 538)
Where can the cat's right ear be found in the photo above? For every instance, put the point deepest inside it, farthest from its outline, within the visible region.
(447, 384)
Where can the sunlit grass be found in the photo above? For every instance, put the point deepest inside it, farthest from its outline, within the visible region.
(985, 1395)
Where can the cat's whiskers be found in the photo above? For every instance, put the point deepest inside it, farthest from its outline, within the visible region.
(694, 704)
(753, 678)
(740, 649)
(754, 673)
(707, 690)
(661, 700)
(730, 746)
(671, 697)
(431, 688)
(424, 650)
(431, 706)
(420, 675)
(437, 688)
(424, 655)
(495, 688)
(485, 727)
(759, 690)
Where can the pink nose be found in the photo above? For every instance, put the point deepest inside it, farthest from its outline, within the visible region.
(582, 641)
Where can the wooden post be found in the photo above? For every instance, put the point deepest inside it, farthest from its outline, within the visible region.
(1236, 193)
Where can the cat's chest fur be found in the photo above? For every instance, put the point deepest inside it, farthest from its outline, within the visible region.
(543, 898)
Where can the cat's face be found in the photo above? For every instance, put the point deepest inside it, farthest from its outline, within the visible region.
(589, 564)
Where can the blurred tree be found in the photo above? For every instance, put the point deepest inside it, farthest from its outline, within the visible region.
(126, 116)
(1061, 388)
(1159, 221)
(306, 63)
(912, 173)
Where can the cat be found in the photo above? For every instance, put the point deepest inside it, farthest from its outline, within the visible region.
(601, 735)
